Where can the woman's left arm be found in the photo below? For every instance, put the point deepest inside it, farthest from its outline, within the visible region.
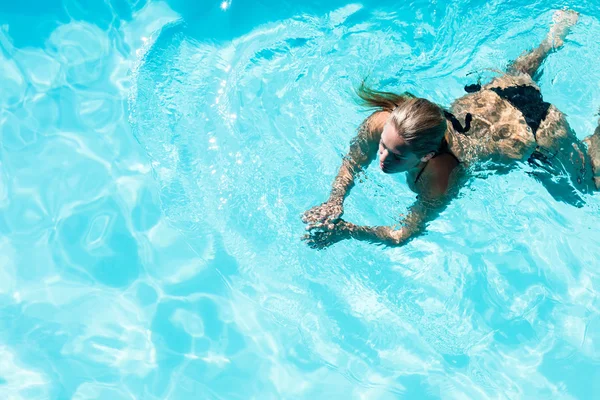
(419, 214)
(439, 184)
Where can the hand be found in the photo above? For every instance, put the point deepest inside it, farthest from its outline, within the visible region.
(327, 213)
(324, 235)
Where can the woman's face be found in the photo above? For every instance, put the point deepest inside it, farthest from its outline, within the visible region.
(394, 154)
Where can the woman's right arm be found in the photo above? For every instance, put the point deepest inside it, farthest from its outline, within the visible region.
(363, 150)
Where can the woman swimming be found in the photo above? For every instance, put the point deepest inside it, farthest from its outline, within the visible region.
(505, 121)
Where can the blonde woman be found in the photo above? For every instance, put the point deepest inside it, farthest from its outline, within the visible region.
(504, 121)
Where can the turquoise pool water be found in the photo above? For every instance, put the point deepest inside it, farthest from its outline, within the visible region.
(155, 160)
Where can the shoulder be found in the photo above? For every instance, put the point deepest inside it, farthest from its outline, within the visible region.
(377, 120)
(435, 180)
(372, 126)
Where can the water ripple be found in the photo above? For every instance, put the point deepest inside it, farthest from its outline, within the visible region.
(155, 158)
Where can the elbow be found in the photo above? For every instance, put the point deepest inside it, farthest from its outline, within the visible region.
(397, 237)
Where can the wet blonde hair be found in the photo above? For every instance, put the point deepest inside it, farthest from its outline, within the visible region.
(421, 123)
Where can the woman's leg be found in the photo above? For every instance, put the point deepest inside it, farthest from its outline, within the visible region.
(562, 162)
(593, 150)
(530, 62)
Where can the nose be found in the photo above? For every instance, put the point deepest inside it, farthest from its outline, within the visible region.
(383, 154)
(382, 161)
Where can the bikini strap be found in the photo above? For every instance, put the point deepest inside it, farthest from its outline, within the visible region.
(420, 173)
(457, 125)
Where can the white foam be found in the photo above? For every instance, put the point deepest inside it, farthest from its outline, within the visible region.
(42, 71)
(21, 383)
(14, 84)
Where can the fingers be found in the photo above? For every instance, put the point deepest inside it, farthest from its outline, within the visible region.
(326, 226)
(307, 216)
(314, 215)
(309, 240)
(313, 227)
(318, 218)
(316, 241)
(321, 225)
(322, 213)
(312, 220)
(334, 217)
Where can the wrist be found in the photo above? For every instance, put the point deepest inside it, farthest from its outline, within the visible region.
(351, 230)
(379, 234)
(336, 200)
(397, 236)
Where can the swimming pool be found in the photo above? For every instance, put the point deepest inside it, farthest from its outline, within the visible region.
(156, 158)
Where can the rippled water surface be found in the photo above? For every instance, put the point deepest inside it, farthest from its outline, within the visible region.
(156, 157)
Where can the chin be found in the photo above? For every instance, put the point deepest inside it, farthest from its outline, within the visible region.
(389, 171)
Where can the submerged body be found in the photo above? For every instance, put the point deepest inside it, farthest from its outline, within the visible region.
(505, 131)
(507, 123)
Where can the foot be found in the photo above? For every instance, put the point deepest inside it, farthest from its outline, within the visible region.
(563, 21)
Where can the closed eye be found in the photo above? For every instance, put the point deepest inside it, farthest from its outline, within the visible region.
(396, 155)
